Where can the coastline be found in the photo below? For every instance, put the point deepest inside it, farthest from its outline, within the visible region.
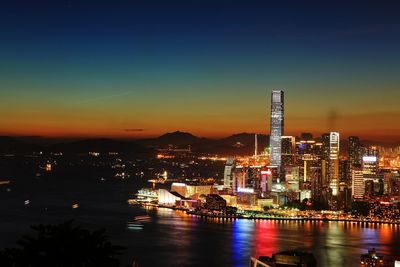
(271, 218)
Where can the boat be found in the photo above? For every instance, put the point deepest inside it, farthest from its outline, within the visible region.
(137, 222)
(142, 218)
(132, 201)
(4, 182)
(285, 258)
(134, 225)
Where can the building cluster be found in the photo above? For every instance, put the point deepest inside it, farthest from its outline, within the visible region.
(189, 196)
(311, 168)
(313, 172)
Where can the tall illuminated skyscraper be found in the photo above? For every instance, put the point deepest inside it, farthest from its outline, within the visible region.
(276, 127)
(355, 153)
(334, 162)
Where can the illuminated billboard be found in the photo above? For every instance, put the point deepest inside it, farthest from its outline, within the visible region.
(369, 158)
(245, 190)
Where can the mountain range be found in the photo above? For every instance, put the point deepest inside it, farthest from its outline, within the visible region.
(237, 144)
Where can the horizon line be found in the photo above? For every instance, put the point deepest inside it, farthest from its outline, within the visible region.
(381, 139)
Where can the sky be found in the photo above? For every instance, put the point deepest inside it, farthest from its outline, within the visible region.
(133, 69)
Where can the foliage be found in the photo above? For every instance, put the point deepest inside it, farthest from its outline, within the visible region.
(62, 245)
(360, 208)
(319, 205)
(267, 208)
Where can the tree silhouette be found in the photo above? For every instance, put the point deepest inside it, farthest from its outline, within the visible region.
(62, 245)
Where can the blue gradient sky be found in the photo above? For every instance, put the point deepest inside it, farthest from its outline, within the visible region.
(97, 68)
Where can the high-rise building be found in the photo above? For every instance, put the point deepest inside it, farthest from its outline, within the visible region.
(228, 173)
(355, 151)
(325, 146)
(276, 127)
(369, 188)
(334, 162)
(344, 175)
(370, 160)
(288, 154)
(316, 182)
(370, 164)
(392, 181)
(325, 159)
(358, 186)
(372, 151)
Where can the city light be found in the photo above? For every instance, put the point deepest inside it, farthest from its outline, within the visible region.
(245, 190)
(369, 159)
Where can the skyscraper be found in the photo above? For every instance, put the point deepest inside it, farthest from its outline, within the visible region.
(276, 127)
(288, 151)
(355, 153)
(325, 160)
(228, 174)
(334, 162)
(357, 183)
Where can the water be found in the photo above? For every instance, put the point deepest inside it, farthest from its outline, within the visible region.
(184, 240)
(173, 238)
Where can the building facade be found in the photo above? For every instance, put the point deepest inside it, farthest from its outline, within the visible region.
(334, 162)
(276, 127)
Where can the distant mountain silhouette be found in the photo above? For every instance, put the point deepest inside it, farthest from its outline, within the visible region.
(177, 138)
(246, 139)
(12, 145)
(102, 145)
(237, 144)
(45, 141)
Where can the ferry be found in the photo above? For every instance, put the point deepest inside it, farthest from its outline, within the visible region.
(142, 218)
(134, 226)
(137, 222)
(5, 182)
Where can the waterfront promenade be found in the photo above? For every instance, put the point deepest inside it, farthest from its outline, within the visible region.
(256, 215)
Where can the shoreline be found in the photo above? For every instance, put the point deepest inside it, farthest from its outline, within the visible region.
(271, 218)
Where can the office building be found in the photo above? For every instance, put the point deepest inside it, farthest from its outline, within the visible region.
(344, 175)
(370, 161)
(288, 155)
(334, 162)
(276, 127)
(358, 187)
(325, 160)
(355, 152)
(228, 173)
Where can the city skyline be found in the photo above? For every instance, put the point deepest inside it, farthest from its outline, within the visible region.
(133, 71)
(199, 133)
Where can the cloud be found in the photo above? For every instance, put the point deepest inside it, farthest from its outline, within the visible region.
(134, 130)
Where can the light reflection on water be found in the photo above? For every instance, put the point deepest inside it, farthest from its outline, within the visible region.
(194, 241)
(173, 238)
(242, 238)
